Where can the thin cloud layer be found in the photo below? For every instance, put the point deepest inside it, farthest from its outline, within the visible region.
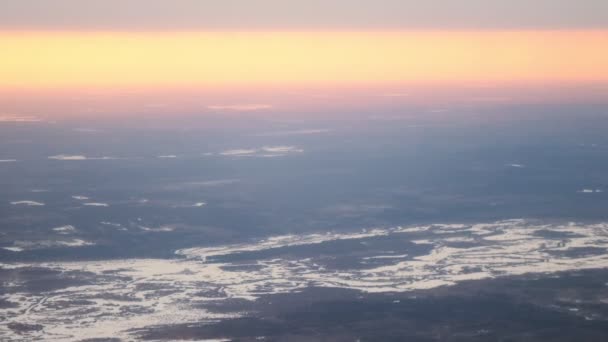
(294, 132)
(19, 118)
(78, 157)
(240, 107)
(238, 152)
(265, 151)
(281, 149)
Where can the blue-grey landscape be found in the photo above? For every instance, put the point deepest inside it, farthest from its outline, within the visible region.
(370, 227)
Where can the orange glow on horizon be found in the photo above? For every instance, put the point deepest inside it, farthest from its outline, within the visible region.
(41, 60)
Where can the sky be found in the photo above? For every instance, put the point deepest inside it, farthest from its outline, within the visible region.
(301, 15)
(244, 47)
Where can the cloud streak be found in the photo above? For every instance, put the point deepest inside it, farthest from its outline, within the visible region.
(240, 107)
(265, 151)
(67, 157)
(19, 118)
(295, 132)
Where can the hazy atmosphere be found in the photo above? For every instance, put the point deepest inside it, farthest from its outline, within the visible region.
(303, 171)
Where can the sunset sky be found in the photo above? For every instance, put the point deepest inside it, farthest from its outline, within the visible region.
(244, 46)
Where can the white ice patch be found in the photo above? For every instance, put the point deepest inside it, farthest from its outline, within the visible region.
(199, 204)
(14, 249)
(44, 244)
(502, 248)
(168, 156)
(74, 243)
(157, 230)
(390, 256)
(8, 160)
(394, 95)
(114, 225)
(28, 203)
(65, 229)
(517, 166)
(80, 198)
(128, 295)
(590, 191)
(105, 223)
(174, 290)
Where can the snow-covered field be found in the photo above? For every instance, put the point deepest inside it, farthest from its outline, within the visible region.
(123, 296)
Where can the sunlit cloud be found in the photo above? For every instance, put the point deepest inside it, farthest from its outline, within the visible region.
(19, 118)
(395, 95)
(487, 99)
(240, 107)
